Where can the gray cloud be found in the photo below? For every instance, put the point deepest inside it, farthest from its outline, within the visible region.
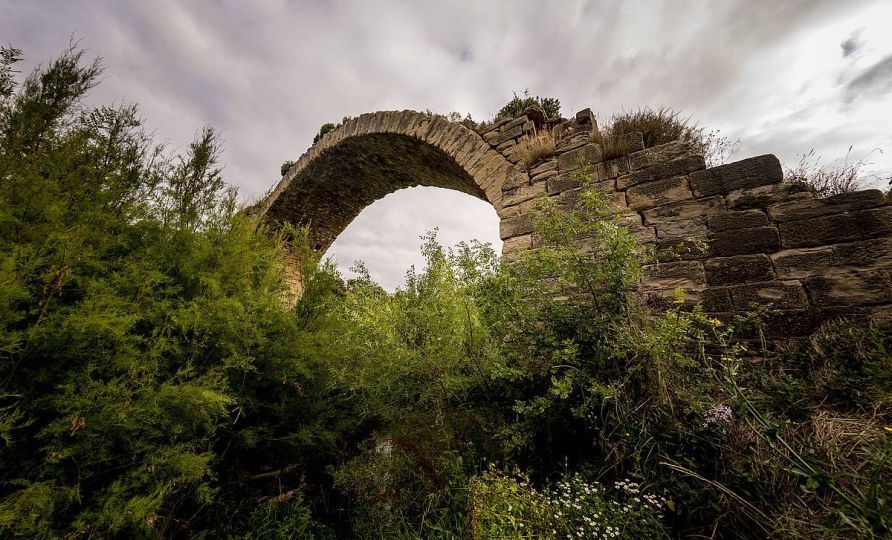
(268, 74)
(850, 45)
(874, 81)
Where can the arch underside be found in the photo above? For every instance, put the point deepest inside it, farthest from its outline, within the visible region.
(338, 184)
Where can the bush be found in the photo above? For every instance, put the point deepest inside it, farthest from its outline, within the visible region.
(551, 106)
(660, 126)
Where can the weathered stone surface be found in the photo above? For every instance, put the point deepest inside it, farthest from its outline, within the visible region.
(800, 263)
(587, 154)
(545, 166)
(681, 228)
(748, 173)
(688, 274)
(658, 155)
(852, 288)
(517, 244)
(543, 176)
(854, 256)
(515, 226)
(613, 168)
(837, 204)
(509, 134)
(778, 294)
(561, 182)
(837, 228)
(764, 196)
(676, 167)
(658, 193)
(742, 219)
(691, 209)
(713, 300)
(739, 269)
(524, 193)
(572, 142)
(744, 241)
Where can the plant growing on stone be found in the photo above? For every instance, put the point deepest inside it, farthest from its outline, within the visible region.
(663, 125)
(842, 175)
(536, 147)
(519, 103)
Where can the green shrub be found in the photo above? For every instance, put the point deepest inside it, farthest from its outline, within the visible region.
(520, 103)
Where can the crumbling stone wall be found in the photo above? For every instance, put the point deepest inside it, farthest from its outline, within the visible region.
(767, 241)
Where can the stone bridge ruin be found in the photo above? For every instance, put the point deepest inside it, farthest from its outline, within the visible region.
(768, 241)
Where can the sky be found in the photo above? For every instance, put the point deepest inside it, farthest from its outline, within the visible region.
(783, 77)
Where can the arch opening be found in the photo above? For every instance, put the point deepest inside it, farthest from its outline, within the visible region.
(386, 235)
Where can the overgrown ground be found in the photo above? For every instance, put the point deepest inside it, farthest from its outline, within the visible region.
(154, 384)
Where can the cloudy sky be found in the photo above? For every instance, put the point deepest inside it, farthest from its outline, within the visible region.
(784, 77)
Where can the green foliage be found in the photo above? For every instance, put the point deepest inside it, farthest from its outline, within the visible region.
(147, 360)
(520, 103)
(326, 128)
(286, 166)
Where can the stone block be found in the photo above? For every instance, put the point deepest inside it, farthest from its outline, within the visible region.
(585, 117)
(739, 269)
(837, 204)
(744, 241)
(686, 274)
(658, 193)
(613, 168)
(681, 249)
(764, 196)
(572, 142)
(683, 228)
(586, 154)
(822, 230)
(658, 155)
(509, 134)
(777, 294)
(851, 288)
(515, 226)
(691, 209)
(524, 193)
(543, 176)
(517, 244)
(561, 182)
(744, 174)
(741, 219)
(801, 263)
(676, 167)
(546, 166)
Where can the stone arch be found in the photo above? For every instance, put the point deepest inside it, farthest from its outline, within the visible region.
(375, 154)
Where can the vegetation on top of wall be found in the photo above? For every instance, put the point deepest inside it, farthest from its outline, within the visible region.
(842, 175)
(522, 102)
(660, 126)
(155, 385)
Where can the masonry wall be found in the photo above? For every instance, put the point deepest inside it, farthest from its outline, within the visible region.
(768, 241)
